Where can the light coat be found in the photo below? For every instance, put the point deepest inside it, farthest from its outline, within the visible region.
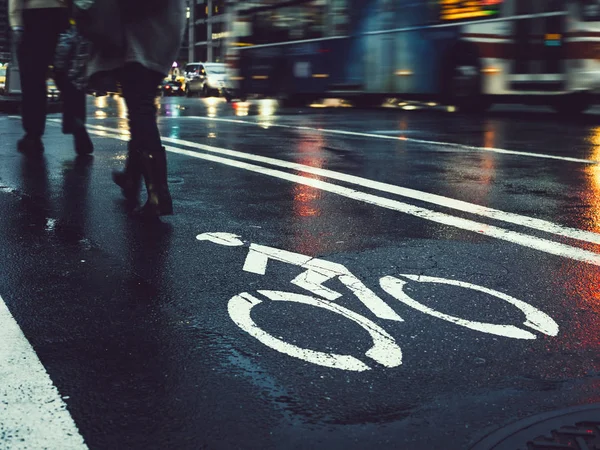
(16, 7)
(151, 40)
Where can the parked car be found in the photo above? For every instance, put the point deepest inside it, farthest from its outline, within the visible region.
(2, 80)
(53, 92)
(206, 79)
(104, 86)
(170, 88)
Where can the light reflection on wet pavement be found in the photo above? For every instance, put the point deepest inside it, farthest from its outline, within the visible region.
(136, 328)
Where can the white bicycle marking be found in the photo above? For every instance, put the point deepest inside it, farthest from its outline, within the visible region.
(318, 271)
(385, 350)
(535, 318)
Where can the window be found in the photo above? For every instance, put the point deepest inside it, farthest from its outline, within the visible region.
(554, 5)
(305, 20)
(216, 69)
(451, 10)
(589, 10)
(191, 68)
(339, 18)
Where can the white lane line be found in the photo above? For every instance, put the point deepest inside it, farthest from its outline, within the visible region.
(32, 412)
(396, 138)
(459, 205)
(543, 245)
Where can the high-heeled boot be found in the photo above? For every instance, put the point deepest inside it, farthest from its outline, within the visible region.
(130, 179)
(154, 169)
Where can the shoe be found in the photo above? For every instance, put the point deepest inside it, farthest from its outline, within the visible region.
(30, 145)
(130, 179)
(81, 138)
(154, 169)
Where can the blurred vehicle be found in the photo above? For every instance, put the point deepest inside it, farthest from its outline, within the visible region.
(206, 79)
(2, 80)
(53, 92)
(190, 71)
(170, 88)
(101, 86)
(464, 53)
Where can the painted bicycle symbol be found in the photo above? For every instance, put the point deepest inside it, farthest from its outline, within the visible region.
(385, 350)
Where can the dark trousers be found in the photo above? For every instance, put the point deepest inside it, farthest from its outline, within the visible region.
(36, 52)
(139, 86)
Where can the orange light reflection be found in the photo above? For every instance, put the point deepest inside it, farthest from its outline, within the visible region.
(593, 175)
(306, 197)
(580, 285)
(307, 200)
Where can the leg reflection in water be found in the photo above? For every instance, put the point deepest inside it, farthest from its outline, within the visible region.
(35, 196)
(71, 224)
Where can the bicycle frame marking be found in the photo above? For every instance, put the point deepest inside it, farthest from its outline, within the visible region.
(318, 271)
(385, 351)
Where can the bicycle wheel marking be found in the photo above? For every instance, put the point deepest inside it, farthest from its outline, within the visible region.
(535, 319)
(385, 351)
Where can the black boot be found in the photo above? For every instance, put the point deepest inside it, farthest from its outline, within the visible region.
(130, 179)
(81, 138)
(154, 168)
(30, 145)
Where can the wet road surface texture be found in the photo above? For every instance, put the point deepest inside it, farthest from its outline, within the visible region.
(332, 278)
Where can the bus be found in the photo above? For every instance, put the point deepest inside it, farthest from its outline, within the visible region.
(466, 53)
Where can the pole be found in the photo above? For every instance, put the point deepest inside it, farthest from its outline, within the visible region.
(192, 31)
(209, 29)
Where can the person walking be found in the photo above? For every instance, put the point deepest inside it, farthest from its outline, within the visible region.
(153, 31)
(37, 25)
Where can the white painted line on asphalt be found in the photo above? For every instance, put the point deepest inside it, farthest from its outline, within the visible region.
(320, 271)
(394, 138)
(385, 350)
(459, 205)
(32, 412)
(534, 318)
(544, 245)
(536, 243)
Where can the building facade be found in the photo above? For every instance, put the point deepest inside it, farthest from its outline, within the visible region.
(208, 30)
(4, 32)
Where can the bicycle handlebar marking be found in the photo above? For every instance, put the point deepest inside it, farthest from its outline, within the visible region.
(317, 272)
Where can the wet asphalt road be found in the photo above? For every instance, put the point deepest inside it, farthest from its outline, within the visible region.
(189, 334)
